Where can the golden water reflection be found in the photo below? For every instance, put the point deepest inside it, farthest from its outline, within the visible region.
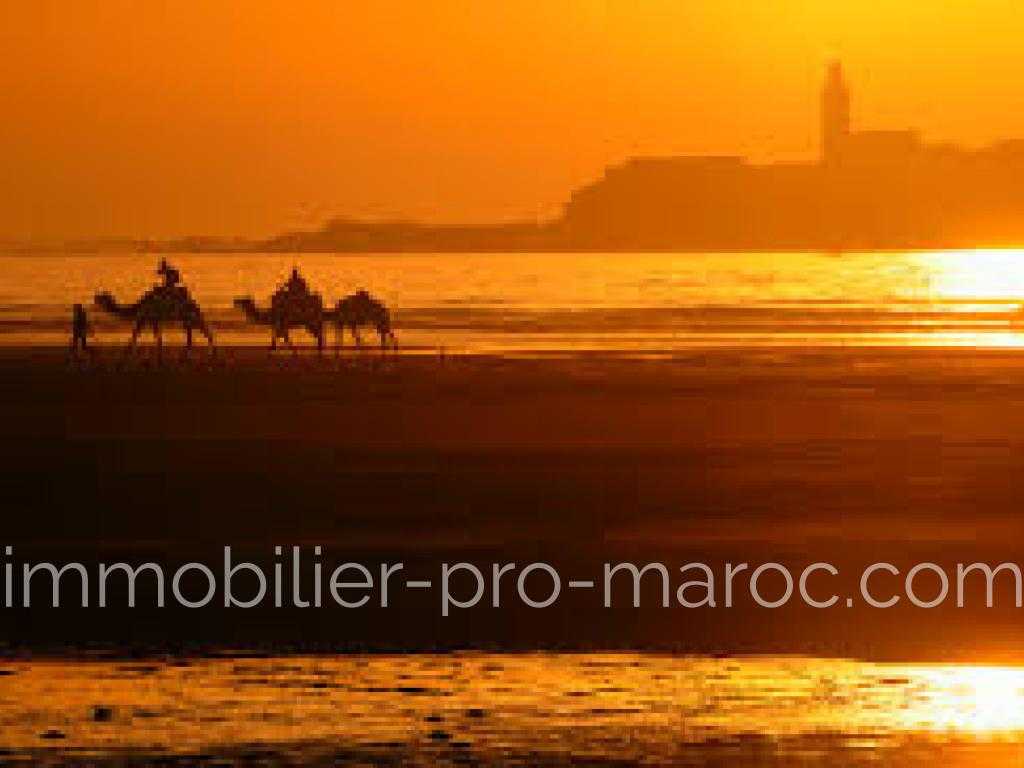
(626, 706)
(994, 274)
(622, 302)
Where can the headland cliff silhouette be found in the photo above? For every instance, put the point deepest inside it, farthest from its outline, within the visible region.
(877, 189)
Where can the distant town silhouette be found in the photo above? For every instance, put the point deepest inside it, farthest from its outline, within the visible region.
(875, 189)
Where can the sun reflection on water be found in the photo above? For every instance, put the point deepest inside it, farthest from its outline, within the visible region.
(988, 274)
(970, 699)
(636, 302)
(628, 706)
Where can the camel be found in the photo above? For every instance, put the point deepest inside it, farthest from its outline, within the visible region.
(158, 306)
(361, 309)
(288, 310)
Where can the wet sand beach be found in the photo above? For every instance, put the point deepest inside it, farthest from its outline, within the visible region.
(844, 456)
(526, 709)
(508, 709)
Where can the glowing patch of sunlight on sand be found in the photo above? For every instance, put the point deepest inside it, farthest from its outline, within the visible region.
(628, 708)
(965, 274)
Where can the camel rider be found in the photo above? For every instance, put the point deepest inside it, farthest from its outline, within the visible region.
(170, 275)
(172, 278)
(296, 284)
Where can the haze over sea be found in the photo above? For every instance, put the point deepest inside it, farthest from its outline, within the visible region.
(541, 303)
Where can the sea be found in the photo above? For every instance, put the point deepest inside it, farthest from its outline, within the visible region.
(550, 303)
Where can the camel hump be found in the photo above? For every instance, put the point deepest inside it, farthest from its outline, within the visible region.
(177, 294)
(297, 308)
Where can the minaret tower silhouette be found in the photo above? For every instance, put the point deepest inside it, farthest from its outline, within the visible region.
(835, 114)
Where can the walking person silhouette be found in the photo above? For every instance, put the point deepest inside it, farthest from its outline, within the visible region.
(80, 330)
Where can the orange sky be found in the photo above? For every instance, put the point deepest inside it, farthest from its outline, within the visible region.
(165, 117)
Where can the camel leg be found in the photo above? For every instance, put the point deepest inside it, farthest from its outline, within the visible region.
(135, 334)
(316, 333)
(132, 342)
(159, 336)
(384, 334)
(186, 352)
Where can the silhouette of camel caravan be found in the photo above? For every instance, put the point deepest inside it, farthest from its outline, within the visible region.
(293, 305)
(361, 309)
(159, 306)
